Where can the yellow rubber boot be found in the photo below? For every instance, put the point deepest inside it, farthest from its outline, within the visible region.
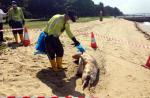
(54, 65)
(59, 62)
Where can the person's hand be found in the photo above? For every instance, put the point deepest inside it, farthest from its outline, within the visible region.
(76, 43)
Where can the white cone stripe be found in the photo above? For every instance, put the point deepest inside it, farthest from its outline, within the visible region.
(26, 36)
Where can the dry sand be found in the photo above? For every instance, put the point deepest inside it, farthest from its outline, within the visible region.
(121, 76)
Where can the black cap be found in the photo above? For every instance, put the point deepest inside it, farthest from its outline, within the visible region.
(72, 15)
(14, 3)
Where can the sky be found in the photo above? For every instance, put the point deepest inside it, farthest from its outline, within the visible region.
(128, 6)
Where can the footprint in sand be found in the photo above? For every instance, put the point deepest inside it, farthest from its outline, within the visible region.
(2, 94)
(43, 62)
(12, 79)
(35, 66)
(17, 75)
(10, 91)
(10, 63)
(131, 78)
(5, 60)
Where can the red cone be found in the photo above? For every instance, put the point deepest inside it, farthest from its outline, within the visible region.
(147, 64)
(93, 41)
(26, 41)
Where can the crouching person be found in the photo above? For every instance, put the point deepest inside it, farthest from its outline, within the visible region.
(55, 27)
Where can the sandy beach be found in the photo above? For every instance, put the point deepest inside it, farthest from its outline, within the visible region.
(122, 49)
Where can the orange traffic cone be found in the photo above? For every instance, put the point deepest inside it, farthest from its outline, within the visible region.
(26, 41)
(147, 64)
(93, 41)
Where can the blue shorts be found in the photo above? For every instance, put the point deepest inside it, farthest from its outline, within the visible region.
(16, 25)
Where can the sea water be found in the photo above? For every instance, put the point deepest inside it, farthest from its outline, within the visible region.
(145, 26)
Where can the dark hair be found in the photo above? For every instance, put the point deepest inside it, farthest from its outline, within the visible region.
(72, 15)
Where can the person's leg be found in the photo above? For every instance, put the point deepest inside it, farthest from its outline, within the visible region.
(19, 25)
(21, 35)
(49, 43)
(59, 53)
(14, 27)
(15, 35)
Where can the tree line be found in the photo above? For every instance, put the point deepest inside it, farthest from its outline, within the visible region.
(47, 8)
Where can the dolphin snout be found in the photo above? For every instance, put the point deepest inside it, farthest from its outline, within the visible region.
(86, 82)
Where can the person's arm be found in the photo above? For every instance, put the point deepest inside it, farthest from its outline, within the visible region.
(68, 31)
(71, 36)
(4, 14)
(22, 16)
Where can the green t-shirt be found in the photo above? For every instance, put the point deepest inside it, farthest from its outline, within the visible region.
(56, 24)
(16, 15)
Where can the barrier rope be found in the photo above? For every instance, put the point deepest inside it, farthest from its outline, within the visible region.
(108, 38)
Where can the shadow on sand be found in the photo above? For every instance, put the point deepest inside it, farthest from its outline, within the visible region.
(58, 82)
(14, 45)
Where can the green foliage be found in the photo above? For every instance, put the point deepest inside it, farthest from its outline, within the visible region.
(36, 24)
(83, 7)
(47, 8)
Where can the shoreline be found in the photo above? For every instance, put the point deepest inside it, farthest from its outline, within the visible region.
(139, 28)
